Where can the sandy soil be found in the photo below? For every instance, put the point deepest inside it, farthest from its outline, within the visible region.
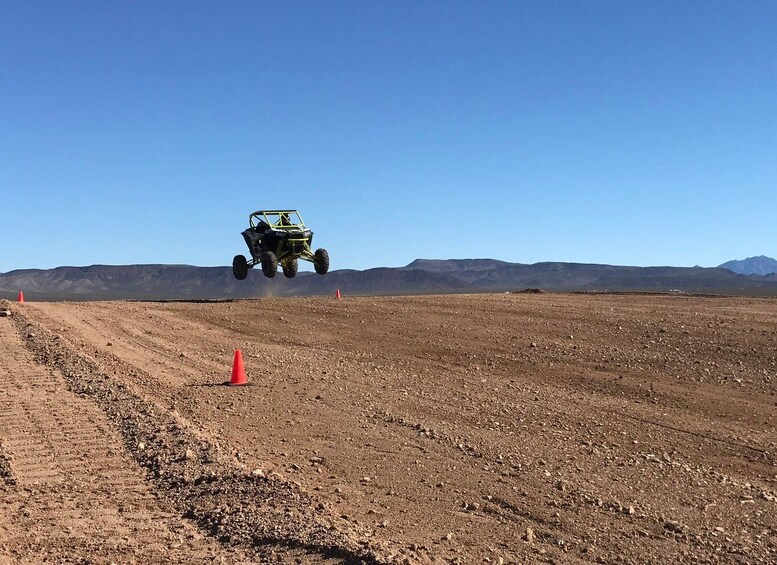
(469, 429)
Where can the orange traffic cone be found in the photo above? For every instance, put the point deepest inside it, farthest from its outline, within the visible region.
(337, 293)
(238, 371)
(21, 297)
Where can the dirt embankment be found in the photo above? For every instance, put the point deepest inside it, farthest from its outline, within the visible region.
(512, 428)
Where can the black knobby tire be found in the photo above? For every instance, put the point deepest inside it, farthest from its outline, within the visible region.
(269, 264)
(290, 269)
(240, 267)
(321, 261)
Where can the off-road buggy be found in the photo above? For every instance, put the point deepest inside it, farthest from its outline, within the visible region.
(278, 237)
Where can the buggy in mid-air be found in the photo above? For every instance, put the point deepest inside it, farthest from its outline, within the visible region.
(278, 237)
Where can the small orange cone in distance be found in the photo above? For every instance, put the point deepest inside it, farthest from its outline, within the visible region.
(21, 296)
(337, 294)
(238, 370)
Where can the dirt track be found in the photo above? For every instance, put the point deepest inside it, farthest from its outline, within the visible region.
(521, 428)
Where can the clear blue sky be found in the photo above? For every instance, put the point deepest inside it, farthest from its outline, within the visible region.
(641, 133)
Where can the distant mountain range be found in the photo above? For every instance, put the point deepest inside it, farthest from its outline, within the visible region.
(760, 265)
(100, 282)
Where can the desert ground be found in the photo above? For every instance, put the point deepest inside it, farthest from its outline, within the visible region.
(509, 428)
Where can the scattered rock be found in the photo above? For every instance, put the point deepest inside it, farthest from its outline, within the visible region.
(675, 527)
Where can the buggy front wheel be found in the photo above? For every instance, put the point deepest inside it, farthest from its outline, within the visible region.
(290, 269)
(321, 261)
(269, 264)
(240, 267)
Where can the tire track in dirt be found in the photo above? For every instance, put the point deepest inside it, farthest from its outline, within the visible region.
(47, 443)
(267, 515)
(151, 343)
(71, 492)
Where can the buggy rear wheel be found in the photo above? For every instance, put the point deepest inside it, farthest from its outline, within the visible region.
(269, 264)
(290, 269)
(240, 267)
(321, 261)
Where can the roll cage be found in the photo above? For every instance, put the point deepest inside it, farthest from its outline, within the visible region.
(277, 220)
